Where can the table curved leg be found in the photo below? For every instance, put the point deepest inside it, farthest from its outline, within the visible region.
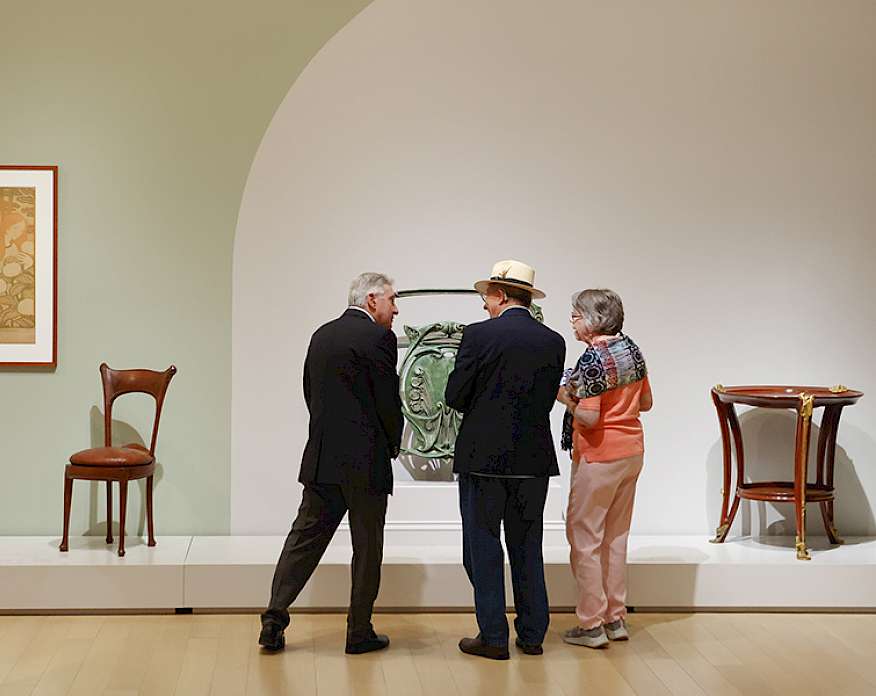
(829, 526)
(736, 429)
(829, 461)
(801, 456)
(727, 420)
(722, 531)
(823, 439)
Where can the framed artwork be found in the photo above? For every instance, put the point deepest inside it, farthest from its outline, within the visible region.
(28, 265)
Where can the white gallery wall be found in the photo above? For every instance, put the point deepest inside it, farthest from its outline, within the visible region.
(713, 162)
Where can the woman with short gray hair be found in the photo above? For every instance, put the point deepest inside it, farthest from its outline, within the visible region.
(603, 394)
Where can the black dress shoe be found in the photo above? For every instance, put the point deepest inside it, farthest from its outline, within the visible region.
(377, 641)
(529, 648)
(272, 638)
(474, 646)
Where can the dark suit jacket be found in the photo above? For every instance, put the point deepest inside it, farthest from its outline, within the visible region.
(352, 392)
(505, 383)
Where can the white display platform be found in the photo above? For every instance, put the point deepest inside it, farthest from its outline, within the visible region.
(688, 571)
(202, 573)
(34, 574)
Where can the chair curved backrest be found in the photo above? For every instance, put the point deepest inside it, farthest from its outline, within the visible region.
(119, 382)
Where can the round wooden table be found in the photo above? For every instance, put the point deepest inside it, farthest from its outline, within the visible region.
(799, 491)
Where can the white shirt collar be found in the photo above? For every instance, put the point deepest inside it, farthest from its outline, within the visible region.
(364, 311)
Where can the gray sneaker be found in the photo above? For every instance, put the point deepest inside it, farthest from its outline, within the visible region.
(589, 638)
(617, 630)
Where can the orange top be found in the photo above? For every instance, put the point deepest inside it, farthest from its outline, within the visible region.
(618, 433)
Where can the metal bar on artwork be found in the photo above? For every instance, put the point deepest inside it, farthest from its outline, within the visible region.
(404, 341)
(436, 291)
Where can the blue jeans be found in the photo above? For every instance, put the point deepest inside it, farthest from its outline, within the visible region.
(485, 503)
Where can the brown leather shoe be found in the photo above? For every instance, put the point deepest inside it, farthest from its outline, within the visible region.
(272, 638)
(529, 648)
(474, 646)
(377, 641)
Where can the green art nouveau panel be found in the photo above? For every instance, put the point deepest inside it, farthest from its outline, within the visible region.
(428, 353)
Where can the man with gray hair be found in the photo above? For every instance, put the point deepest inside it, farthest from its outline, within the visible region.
(352, 392)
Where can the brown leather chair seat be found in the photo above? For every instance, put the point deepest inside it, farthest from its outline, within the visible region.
(111, 456)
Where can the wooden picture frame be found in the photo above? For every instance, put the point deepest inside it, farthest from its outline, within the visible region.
(28, 265)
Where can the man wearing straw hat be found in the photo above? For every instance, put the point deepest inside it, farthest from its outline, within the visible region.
(504, 383)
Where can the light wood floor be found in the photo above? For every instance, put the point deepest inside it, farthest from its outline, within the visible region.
(216, 654)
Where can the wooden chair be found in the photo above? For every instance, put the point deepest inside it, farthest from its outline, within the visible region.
(121, 464)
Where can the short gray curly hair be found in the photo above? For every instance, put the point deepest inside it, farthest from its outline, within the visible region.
(601, 310)
(364, 284)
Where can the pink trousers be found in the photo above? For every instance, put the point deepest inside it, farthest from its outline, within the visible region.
(597, 527)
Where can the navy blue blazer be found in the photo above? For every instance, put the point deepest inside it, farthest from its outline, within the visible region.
(505, 383)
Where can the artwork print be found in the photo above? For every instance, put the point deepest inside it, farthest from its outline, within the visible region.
(28, 265)
(18, 265)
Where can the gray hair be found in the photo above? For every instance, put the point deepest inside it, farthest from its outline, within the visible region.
(364, 284)
(601, 310)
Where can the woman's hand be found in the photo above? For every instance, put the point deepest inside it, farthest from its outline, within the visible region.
(565, 397)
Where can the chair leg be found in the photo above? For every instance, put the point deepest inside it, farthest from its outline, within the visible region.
(109, 512)
(68, 497)
(123, 509)
(149, 519)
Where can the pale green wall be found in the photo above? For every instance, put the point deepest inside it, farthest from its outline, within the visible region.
(153, 113)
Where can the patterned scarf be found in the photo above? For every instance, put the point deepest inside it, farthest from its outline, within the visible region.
(604, 366)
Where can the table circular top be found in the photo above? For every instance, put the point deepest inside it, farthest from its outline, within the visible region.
(785, 396)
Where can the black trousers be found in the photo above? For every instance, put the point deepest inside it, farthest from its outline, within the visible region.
(487, 504)
(322, 508)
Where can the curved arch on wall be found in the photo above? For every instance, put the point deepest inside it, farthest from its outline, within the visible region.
(618, 145)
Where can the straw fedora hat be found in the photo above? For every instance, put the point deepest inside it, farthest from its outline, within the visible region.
(515, 274)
